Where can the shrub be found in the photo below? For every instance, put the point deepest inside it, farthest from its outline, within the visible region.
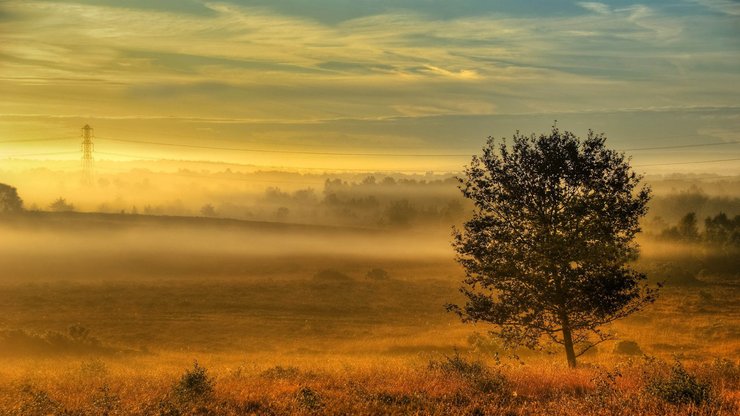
(308, 399)
(378, 274)
(194, 384)
(605, 386)
(37, 402)
(484, 378)
(726, 370)
(61, 205)
(458, 365)
(679, 387)
(627, 348)
(106, 403)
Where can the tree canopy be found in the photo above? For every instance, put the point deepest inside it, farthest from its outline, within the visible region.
(546, 251)
(10, 202)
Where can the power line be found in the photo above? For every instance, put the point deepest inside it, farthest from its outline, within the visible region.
(38, 140)
(381, 154)
(297, 152)
(688, 163)
(39, 154)
(680, 146)
(302, 152)
(328, 169)
(213, 162)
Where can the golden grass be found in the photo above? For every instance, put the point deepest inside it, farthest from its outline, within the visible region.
(276, 340)
(342, 385)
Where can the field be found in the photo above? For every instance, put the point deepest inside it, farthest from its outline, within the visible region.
(107, 314)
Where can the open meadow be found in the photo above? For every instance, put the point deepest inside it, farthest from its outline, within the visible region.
(108, 314)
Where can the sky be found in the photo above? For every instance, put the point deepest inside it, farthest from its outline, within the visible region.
(376, 84)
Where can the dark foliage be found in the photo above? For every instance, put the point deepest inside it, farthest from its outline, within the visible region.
(679, 387)
(10, 202)
(546, 250)
(485, 379)
(61, 205)
(721, 229)
(195, 384)
(309, 399)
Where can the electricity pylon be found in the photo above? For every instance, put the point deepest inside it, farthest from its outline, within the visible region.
(87, 148)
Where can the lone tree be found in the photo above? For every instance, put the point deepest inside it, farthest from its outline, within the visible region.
(10, 202)
(547, 248)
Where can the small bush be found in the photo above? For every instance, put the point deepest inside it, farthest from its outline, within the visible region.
(458, 365)
(679, 387)
(726, 370)
(308, 399)
(378, 274)
(627, 348)
(106, 403)
(485, 379)
(605, 386)
(37, 402)
(194, 384)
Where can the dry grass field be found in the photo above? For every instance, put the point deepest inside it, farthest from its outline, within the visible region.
(100, 318)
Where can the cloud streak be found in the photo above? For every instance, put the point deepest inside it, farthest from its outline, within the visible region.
(221, 62)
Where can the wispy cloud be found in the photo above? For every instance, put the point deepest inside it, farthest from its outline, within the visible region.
(595, 7)
(222, 62)
(730, 7)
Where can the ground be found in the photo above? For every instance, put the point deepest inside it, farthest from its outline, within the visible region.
(98, 317)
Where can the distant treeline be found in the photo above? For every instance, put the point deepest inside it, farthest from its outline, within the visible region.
(380, 201)
(719, 229)
(371, 202)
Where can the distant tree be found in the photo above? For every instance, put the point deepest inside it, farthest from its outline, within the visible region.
(388, 181)
(10, 202)
(61, 205)
(282, 213)
(400, 213)
(208, 210)
(722, 230)
(688, 228)
(546, 250)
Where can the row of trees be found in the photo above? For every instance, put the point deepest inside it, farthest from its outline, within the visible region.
(719, 229)
(11, 202)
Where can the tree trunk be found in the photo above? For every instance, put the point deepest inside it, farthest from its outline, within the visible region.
(568, 343)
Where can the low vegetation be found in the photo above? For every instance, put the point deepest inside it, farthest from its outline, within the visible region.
(113, 329)
(447, 385)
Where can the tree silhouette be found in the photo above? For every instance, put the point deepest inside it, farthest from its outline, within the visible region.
(546, 250)
(10, 202)
(688, 228)
(61, 205)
